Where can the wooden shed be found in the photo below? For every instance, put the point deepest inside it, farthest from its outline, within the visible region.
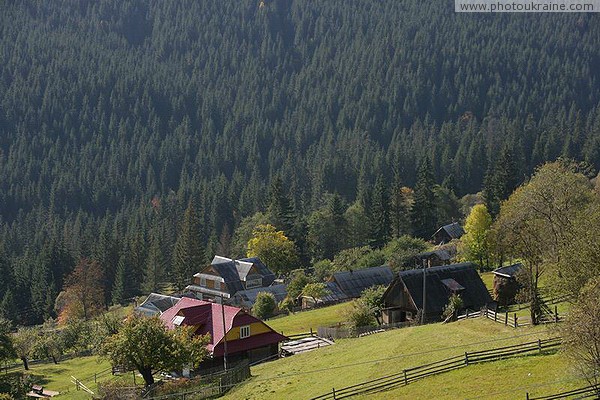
(506, 285)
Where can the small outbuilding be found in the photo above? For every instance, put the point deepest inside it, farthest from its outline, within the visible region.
(403, 299)
(447, 233)
(156, 304)
(247, 298)
(506, 285)
(433, 258)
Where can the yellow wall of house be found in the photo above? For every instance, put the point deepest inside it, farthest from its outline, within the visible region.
(256, 328)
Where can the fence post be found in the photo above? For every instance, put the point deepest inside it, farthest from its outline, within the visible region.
(495, 315)
(311, 333)
(506, 319)
(333, 392)
(95, 377)
(516, 324)
(556, 313)
(405, 380)
(466, 358)
(527, 395)
(540, 345)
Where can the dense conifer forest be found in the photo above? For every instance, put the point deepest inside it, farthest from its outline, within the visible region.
(117, 116)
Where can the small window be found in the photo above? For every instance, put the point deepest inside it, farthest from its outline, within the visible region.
(202, 281)
(244, 331)
(217, 285)
(178, 319)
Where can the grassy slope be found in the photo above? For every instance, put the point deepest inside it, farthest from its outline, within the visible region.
(57, 377)
(303, 321)
(311, 374)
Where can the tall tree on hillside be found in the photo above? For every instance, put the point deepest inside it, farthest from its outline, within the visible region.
(399, 209)
(476, 241)
(188, 256)
(155, 264)
(538, 220)
(7, 351)
(280, 211)
(274, 249)
(423, 211)
(83, 294)
(327, 229)
(122, 287)
(379, 224)
(500, 181)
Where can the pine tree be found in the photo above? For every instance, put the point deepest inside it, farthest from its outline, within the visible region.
(155, 265)
(280, 210)
(398, 210)
(500, 181)
(379, 222)
(121, 289)
(423, 213)
(188, 256)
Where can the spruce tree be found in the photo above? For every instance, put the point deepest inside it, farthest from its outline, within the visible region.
(155, 265)
(280, 210)
(188, 255)
(423, 211)
(399, 217)
(500, 181)
(121, 289)
(379, 222)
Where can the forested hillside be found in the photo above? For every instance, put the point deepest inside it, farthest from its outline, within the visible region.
(114, 114)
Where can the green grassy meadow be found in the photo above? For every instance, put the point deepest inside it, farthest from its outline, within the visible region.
(351, 361)
(303, 321)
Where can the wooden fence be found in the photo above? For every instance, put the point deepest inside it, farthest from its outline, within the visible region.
(410, 375)
(342, 332)
(592, 391)
(511, 319)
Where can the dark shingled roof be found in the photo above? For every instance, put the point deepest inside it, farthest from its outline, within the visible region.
(268, 276)
(454, 230)
(353, 283)
(508, 271)
(474, 296)
(229, 273)
(334, 293)
(443, 254)
(246, 298)
(234, 271)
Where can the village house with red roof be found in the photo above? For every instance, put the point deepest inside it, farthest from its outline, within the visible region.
(247, 337)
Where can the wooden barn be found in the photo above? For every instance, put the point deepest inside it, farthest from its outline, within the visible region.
(506, 285)
(403, 299)
(447, 233)
(434, 258)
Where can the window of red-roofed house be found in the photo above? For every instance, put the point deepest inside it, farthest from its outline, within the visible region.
(244, 331)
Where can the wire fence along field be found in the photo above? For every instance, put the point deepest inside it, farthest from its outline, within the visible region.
(409, 375)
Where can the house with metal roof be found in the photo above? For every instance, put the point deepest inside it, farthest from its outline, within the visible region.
(247, 298)
(403, 299)
(243, 335)
(352, 283)
(346, 285)
(224, 277)
(156, 304)
(333, 294)
(447, 233)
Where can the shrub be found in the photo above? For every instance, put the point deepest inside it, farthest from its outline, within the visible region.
(264, 306)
